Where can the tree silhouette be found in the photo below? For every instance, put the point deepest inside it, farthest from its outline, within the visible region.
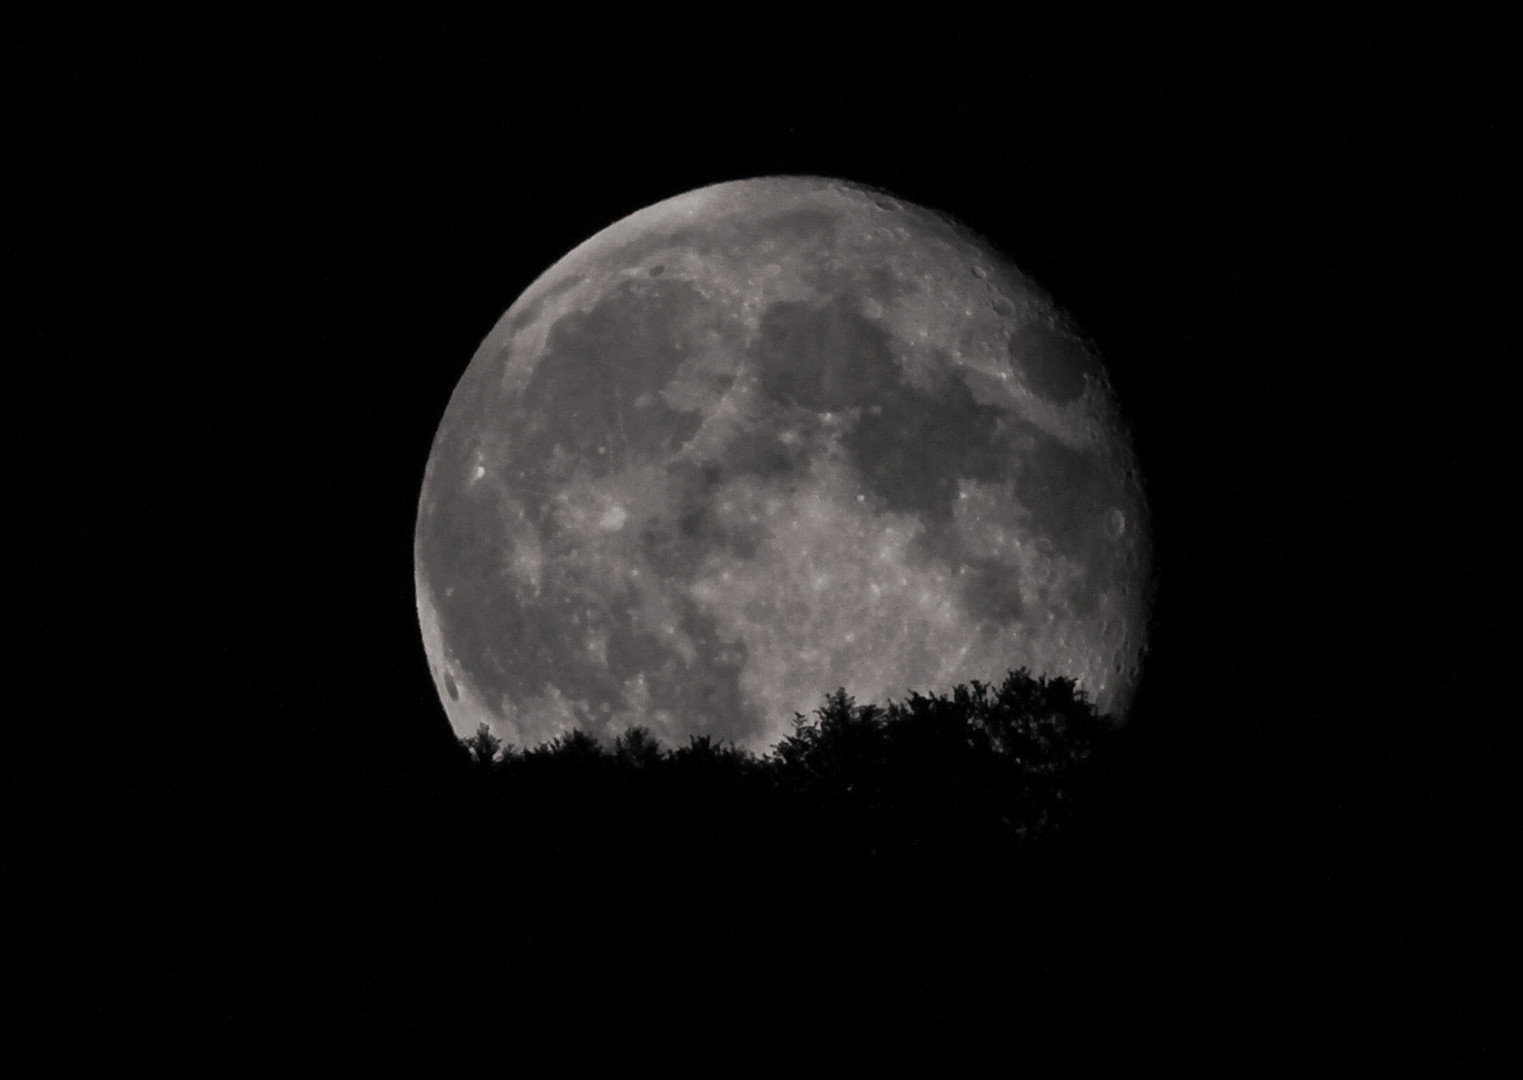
(974, 776)
(637, 748)
(483, 747)
(884, 836)
(574, 746)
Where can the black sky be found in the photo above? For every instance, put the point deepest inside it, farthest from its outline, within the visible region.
(259, 257)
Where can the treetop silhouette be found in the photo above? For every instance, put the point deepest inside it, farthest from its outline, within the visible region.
(1001, 760)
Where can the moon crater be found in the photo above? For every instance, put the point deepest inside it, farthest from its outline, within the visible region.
(766, 439)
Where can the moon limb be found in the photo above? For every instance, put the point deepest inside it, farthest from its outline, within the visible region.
(779, 450)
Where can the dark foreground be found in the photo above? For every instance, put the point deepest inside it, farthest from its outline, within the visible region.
(992, 867)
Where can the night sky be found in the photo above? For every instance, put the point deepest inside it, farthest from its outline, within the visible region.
(258, 259)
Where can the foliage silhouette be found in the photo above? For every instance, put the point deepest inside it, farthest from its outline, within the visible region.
(483, 747)
(637, 748)
(983, 773)
(882, 856)
(874, 845)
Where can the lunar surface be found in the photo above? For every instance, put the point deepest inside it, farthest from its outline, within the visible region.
(767, 439)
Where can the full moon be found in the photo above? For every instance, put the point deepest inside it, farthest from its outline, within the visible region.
(763, 440)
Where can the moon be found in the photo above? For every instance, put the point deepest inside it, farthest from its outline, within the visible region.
(766, 439)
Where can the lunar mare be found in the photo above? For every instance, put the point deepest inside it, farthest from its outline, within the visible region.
(766, 439)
